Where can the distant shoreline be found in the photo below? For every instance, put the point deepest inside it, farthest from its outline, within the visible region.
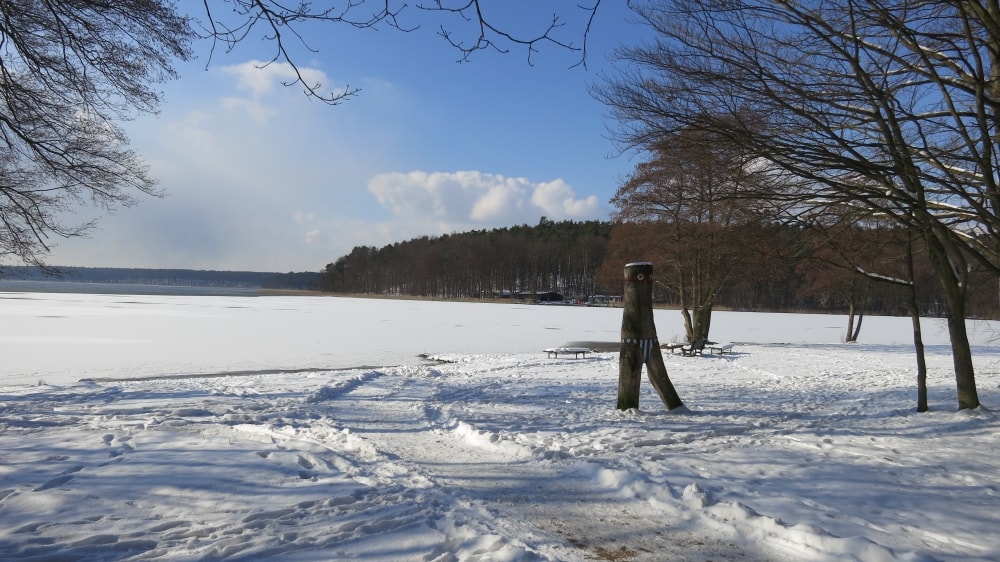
(34, 286)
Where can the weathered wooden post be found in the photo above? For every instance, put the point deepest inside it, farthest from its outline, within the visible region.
(639, 343)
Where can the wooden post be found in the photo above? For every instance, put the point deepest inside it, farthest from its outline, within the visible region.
(639, 343)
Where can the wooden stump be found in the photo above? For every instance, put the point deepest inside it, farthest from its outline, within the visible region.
(639, 343)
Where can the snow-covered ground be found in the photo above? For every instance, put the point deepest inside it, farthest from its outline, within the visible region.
(310, 430)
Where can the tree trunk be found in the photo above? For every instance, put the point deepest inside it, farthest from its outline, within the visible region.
(965, 374)
(850, 323)
(689, 329)
(918, 344)
(857, 327)
(856, 304)
(953, 278)
(685, 302)
(918, 339)
(703, 320)
(639, 342)
(697, 317)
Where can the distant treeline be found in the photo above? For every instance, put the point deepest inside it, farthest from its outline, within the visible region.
(562, 256)
(773, 268)
(308, 281)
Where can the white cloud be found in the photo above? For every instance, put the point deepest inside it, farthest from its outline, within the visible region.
(558, 200)
(257, 111)
(302, 217)
(499, 200)
(261, 78)
(475, 199)
(263, 82)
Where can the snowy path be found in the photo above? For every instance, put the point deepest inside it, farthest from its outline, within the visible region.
(497, 471)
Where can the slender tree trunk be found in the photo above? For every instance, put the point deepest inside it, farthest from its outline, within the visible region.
(918, 339)
(848, 337)
(684, 292)
(856, 307)
(918, 345)
(689, 330)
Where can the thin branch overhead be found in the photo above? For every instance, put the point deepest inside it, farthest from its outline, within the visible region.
(492, 36)
(477, 29)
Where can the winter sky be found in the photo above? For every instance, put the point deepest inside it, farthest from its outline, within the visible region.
(258, 177)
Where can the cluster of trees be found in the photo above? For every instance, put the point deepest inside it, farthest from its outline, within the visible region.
(834, 113)
(562, 256)
(786, 268)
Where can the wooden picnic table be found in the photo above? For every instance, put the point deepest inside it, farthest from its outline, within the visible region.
(711, 347)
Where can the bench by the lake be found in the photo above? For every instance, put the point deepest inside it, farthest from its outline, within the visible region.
(673, 347)
(576, 351)
(719, 348)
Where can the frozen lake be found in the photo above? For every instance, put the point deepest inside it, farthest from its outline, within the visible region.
(68, 336)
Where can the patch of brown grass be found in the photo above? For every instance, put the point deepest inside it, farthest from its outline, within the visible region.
(622, 553)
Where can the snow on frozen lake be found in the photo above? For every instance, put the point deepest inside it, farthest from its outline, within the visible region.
(329, 439)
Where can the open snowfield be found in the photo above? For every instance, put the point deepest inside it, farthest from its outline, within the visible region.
(142, 427)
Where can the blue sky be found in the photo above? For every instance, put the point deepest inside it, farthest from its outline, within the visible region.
(258, 177)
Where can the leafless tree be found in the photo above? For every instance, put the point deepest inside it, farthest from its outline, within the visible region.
(691, 191)
(889, 106)
(854, 251)
(71, 71)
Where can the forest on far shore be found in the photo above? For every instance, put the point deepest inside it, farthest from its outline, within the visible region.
(763, 267)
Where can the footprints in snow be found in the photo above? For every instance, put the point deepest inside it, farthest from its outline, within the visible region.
(116, 453)
(58, 480)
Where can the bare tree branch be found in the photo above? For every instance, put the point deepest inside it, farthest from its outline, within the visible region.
(491, 36)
